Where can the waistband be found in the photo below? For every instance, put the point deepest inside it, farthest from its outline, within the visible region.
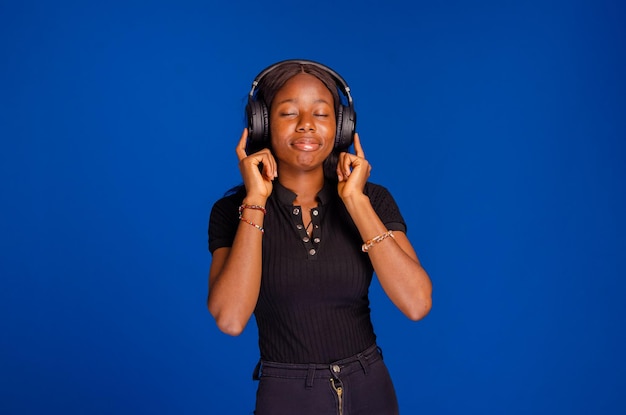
(360, 361)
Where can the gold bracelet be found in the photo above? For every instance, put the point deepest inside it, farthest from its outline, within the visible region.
(367, 245)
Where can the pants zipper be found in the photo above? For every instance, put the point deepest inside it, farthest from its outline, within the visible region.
(339, 391)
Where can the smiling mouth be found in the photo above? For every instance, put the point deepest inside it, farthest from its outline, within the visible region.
(306, 145)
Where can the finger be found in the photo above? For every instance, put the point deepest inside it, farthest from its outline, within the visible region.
(345, 164)
(358, 150)
(340, 162)
(269, 165)
(265, 161)
(241, 146)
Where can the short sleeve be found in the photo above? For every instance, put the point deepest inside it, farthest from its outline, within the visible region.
(385, 206)
(223, 221)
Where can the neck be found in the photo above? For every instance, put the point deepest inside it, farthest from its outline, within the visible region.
(305, 185)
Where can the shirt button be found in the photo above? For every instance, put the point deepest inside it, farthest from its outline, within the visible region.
(312, 252)
(316, 240)
(296, 211)
(314, 212)
(306, 239)
(336, 368)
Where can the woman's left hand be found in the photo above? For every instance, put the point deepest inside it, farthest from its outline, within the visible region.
(352, 171)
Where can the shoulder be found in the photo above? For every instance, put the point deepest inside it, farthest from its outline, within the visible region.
(374, 190)
(232, 197)
(226, 209)
(385, 206)
(378, 194)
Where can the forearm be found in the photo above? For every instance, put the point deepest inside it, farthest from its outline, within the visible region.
(402, 277)
(396, 265)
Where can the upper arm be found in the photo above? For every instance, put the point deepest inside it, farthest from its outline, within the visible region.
(220, 255)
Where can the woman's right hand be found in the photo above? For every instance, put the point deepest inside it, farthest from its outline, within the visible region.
(258, 182)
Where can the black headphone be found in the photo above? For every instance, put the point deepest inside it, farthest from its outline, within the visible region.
(258, 115)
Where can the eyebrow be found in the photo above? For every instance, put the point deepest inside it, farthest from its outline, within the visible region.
(290, 100)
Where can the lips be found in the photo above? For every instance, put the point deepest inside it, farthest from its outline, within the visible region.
(306, 144)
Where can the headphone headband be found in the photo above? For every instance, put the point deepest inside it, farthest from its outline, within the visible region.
(338, 79)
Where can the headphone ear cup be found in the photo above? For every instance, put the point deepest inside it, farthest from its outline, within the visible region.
(258, 126)
(346, 122)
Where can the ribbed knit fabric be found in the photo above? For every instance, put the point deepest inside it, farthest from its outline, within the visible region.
(313, 306)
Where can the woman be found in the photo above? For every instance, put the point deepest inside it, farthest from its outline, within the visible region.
(297, 246)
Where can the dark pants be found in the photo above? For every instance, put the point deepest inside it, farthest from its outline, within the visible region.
(359, 385)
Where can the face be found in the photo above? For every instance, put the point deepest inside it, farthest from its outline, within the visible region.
(302, 123)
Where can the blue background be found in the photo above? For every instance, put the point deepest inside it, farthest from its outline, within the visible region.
(498, 126)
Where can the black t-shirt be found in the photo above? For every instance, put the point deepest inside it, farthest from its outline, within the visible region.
(313, 306)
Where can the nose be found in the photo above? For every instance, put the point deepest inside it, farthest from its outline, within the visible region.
(305, 123)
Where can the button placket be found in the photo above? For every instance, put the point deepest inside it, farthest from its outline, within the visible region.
(315, 233)
(311, 243)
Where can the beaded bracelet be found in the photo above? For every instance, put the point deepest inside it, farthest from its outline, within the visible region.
(367, 245)
(241, 218)
(249, 222)
(254, 207)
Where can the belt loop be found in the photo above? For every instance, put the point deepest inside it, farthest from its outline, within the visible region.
(256, 373)
(310, 375)
(363, 361)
